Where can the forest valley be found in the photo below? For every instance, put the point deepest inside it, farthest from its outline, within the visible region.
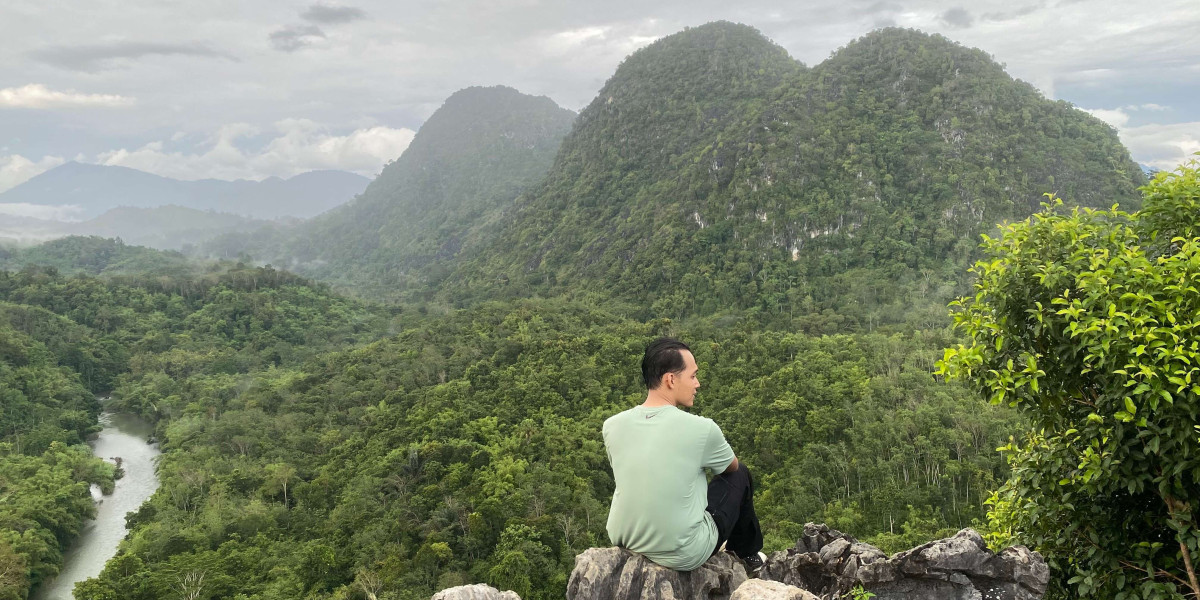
(426, 412)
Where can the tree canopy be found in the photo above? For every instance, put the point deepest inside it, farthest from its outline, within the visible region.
(1086, 321)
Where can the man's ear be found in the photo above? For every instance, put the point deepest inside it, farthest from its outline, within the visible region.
(670, 383)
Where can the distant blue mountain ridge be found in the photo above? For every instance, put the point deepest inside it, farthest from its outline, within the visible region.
(96, 189)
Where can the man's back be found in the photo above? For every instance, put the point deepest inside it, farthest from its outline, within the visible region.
(658, 457)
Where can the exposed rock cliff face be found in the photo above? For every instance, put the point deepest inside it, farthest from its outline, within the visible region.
(825, 564)
(616, 574)
(829, 563)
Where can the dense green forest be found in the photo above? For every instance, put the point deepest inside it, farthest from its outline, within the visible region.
(94, 255)
(63, 340)
(802, 228)
(465, 447)
(46, 412)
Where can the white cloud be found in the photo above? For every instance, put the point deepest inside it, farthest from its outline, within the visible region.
(1162, 146)
(66, 212)
(1116, 117)
(304, 146)
(612, 41)
(566, 42)
(637, 41)
(36, 95)
(299, 146)
(574, 37)
(16, 169)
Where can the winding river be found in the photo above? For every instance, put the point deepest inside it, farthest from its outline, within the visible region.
(123, 436)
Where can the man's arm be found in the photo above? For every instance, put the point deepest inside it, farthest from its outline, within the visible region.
(718, 457)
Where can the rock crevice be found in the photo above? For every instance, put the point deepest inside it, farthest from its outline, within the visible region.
(829, 563)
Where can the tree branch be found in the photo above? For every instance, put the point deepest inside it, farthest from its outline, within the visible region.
(1191, 572)
(1174, 507)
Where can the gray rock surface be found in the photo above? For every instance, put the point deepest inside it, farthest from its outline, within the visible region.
(830, 563)
(761, 589)
(617, 574)
(478, 591)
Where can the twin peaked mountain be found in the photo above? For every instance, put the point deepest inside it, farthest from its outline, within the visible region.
(715, 172)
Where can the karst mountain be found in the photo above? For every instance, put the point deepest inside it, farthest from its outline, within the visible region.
(714, 172)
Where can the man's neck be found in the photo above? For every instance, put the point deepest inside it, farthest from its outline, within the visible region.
(655, 400)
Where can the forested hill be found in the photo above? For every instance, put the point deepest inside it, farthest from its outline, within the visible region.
(475, 154)
(94, 255)
(165, 337)
(713, 172)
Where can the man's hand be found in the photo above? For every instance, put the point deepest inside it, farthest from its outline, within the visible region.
(733, 466)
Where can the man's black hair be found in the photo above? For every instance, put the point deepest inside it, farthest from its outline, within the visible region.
(662, 356)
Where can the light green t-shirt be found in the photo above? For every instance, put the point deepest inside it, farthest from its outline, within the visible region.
(658, 458)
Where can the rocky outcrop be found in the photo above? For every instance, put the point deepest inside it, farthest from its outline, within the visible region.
(761, 589)
(478, 591)
(825, 564)
(617, 574)
(830, 563)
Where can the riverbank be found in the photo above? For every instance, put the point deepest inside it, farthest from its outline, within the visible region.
(124, 436)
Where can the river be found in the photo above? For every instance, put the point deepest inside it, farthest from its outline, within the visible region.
(124, 435)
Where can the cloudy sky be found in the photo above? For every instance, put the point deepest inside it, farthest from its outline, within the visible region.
(216, 88)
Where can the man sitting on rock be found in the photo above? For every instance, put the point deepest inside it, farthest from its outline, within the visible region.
(663, 507)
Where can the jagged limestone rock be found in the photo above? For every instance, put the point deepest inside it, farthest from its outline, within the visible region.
(761, 589)
(830, 563)
(478, 591)
(617, 574)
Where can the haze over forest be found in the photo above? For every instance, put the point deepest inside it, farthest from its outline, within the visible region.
(381, 389)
